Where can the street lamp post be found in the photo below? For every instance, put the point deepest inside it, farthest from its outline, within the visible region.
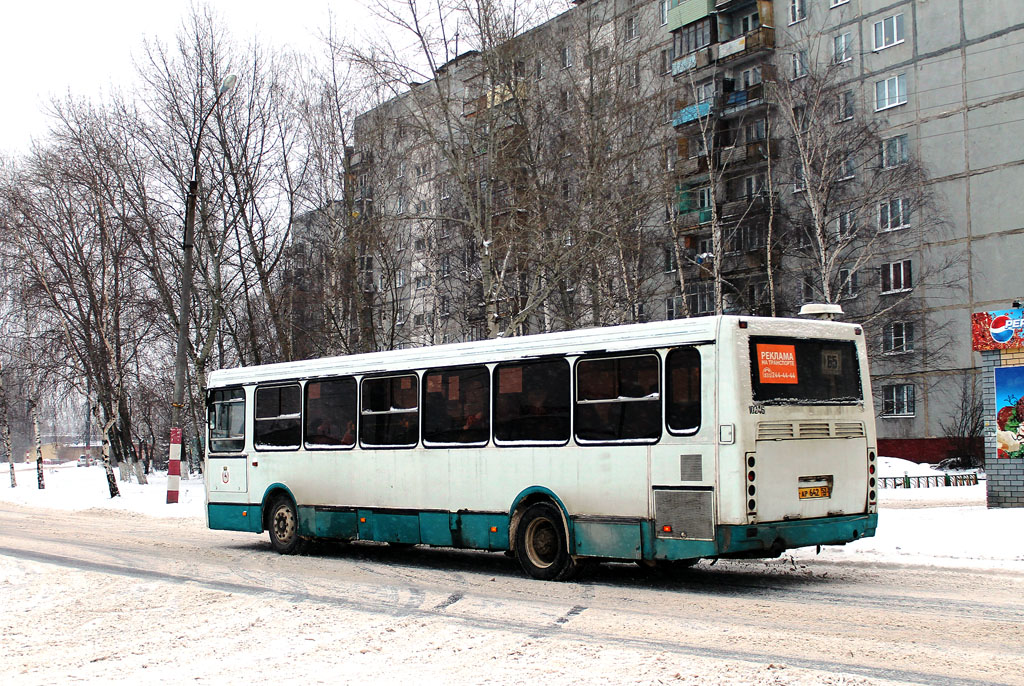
(180, 359)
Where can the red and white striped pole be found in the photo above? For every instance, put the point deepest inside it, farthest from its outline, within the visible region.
(174, 466)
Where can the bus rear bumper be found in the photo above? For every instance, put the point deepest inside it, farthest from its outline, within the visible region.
(769, 539)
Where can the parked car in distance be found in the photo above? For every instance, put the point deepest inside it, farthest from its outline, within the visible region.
(83, 461)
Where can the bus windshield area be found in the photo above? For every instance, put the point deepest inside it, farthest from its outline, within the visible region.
(794, 371)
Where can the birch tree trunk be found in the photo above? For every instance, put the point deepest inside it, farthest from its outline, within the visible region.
(40, 480)
(5, 429)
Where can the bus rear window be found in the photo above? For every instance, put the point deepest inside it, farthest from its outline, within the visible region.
(794, 371)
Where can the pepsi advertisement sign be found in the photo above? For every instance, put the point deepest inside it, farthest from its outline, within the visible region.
(997, 330)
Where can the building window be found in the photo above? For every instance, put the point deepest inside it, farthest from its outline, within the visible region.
(797, 11)
(842, 48)
(704, 197)
(896, 277)
(753, 185)
(755, 131)
(847, 283)
(846, 225)
(888, 32)
(636, 75)
(750, 77)
(749, 22)
(894, 151)
(890, 92)
(671, 264)
(538, 70)
(807, 289)
(674, 307)
(422, 282)
(898, 400)
(564, 101)
(700, 297)
(663, 11)
(566, 56)
(632, 27)
(898, 337)
(894, 214)
(693, 37)
(799, 182)
(837, 3)
(848, 168)
(799, 62)
(846, 106)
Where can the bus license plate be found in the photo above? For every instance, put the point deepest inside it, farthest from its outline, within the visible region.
(813, 492)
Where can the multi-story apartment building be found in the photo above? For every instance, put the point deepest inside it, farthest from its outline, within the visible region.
(644, 159)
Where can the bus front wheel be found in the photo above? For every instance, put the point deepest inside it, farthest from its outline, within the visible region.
(541, 544)
(283, 524)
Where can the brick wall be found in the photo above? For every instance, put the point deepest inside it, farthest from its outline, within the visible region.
(1005, 478)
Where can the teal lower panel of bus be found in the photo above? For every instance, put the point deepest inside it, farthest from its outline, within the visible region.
(235, 517)
(609, 539)
(773, 536)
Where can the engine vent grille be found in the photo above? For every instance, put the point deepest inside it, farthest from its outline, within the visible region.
(781, 431)
(690, 514)
(691, 468)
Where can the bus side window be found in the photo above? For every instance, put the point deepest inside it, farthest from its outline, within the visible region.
(618, 399)
(227, 421)
(278, 417)
(330, 417)
(455, 407)
(389, 412)
(531, 403)
(683, 406)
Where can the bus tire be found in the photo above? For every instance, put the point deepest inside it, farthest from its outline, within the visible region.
(283, 525)
(542, 546)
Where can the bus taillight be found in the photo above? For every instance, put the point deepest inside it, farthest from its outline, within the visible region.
(872, 493)
(751, 486)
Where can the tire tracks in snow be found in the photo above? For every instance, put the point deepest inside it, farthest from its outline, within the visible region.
(415, 601)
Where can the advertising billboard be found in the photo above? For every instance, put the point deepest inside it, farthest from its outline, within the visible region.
(997, 330)
(1010, 411)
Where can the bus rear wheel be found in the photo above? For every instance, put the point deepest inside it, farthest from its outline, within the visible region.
(283, 525)
(542, 546)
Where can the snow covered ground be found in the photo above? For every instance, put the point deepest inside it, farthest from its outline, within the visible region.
(947, 526)
(58, 626)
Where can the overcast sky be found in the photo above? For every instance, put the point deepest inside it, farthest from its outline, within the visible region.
(48, 47)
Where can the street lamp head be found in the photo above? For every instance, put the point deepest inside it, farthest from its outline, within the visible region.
(228, 83)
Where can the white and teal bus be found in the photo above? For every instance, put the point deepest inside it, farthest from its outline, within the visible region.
(710, 437)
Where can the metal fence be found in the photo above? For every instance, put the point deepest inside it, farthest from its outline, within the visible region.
(928, 481)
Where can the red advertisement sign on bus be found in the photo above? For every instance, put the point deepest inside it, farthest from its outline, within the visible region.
(776, 363)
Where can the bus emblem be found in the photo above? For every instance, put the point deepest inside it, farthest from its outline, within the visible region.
(225, 476)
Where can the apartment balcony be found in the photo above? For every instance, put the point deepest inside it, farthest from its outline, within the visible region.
(738, 101)
(687, 12)
(748, 153)
(690, 217)
(761, 38)
(691, 113)
(695, 60)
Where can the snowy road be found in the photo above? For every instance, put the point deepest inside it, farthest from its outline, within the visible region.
(104, 595)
